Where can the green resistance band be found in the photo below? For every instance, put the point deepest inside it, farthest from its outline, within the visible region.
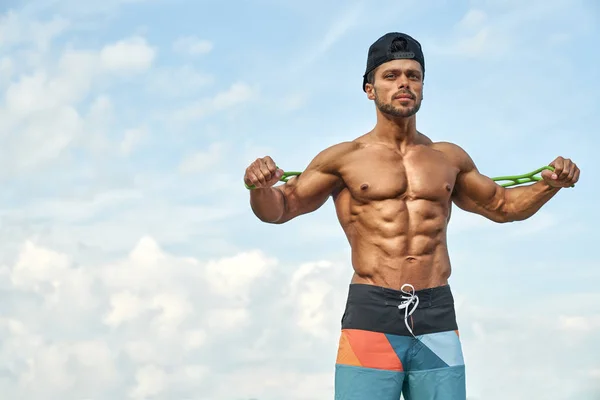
(513, 180)
(521, 179)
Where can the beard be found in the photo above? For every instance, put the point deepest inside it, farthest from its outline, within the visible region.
(389, 109)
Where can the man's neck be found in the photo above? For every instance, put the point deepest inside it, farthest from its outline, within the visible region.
(398, 132)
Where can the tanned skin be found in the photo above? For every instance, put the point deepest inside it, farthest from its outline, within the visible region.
(393, 189)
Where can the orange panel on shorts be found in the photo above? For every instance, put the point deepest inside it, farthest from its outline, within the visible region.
(367, 349)
(345, 354)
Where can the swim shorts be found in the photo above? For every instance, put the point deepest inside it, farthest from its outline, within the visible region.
(399, 342)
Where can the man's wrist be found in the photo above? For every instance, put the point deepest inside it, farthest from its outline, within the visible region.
(548, 187)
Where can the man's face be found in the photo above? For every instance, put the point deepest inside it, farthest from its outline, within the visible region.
(398, 88)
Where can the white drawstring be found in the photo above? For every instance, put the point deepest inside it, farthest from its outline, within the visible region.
(408, 300)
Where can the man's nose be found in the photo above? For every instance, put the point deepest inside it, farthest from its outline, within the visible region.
(402, 81)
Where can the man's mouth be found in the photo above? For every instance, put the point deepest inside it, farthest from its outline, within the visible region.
(403, 96)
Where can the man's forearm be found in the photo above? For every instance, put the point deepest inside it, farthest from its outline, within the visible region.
(523, 202)
(268, 204)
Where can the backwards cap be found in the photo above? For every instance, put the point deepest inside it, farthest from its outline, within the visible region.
(382, 51)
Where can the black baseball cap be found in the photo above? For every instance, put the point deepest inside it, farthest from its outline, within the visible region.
(404, 47)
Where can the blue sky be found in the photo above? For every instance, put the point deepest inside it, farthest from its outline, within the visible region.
(131, 264)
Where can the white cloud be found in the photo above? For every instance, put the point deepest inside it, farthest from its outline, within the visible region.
(97, 358)
(340, 26)
(179, 81)
(83, 11)
(101, 109)
(479, 42)
(144, 351)
(131, 139)
(41, 117)
(17, 28)
(150, 381)
(125, 306)
(294, 101)
(53, 277)
(162, 314)
(192, 45)
(227, 278)
(532, 337)
(37, 265)
(311, 298)
(236, 95)
(128, 55)
(201, 161)
(479, 34)
(194, 339)
(473, 19)
(7, 68)
(171, 310)
(148, 301)
(45, 137)
(224, 319)
(577, 324)
(76, 209)
(23, 96)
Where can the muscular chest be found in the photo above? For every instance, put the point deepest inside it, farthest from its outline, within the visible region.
(382, 174)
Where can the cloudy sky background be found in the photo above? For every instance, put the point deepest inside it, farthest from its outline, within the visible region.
(131, 266)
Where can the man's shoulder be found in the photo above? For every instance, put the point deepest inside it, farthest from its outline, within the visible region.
(455, 153)
(330, 158)
(447, 147)
(339, 149)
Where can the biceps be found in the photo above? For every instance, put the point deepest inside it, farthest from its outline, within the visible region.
(308, 192)
(477, 193)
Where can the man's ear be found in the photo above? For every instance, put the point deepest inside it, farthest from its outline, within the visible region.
(370, 89)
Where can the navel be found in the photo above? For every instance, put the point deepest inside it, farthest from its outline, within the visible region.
(364, 186)
(448, 187)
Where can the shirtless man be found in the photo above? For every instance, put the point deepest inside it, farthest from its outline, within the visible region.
(393, 189)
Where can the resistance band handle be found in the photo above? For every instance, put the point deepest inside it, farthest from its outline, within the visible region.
(284, 178)
(524, 178)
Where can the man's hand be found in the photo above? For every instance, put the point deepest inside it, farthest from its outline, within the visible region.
(565, 174)
(262, 173)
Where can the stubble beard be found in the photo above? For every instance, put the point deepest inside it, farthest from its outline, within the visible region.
(392, 111)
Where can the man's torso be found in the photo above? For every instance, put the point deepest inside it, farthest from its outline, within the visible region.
(394, 208)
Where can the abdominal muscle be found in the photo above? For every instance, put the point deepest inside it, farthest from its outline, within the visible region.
(397, 241)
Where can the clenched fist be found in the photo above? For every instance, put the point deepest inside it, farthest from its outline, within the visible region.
(262, 173)
(565, 174)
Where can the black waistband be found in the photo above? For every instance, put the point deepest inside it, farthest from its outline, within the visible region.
(375, 308)
(371, 294)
